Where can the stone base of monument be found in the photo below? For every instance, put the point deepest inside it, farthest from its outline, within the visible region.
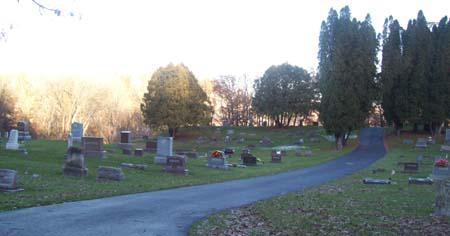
(412, 180)
(74, 171)
(160, 160)
(218, 162)
(442, 204)
(12, 146)
(8, 181)
(108, 173)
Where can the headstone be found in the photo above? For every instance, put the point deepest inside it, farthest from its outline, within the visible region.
(442, 204)
(13, 141)
(421, 143)
(93, 147)
(248, 159)
(163, 149)
(150, 146)
(447, 136)
(376, 181)
(217, 159)
(176, 165)
(230, 132)
(300, 142)
(266, 141)
(227, 140)
(74, 164)
(108, 173)
(445, 148)
(228, 151)
(276, 156)
(76, 130)
(410, 167)
(138, 152)
(134, 166)
(427, 180)
(408, 142)
(125, 140)
(303, 153)
(23, 128)
(8, 181)
(430, 140)
(240, 140)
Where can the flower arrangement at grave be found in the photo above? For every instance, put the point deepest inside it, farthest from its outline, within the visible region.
(441, 163)
(216, 154)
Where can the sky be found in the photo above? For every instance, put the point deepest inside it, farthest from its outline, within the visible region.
(211, 37)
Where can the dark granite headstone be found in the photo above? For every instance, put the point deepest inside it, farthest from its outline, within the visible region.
(276, 156)
(248, 159)
(176, 165)
(138, 152)
(410, 167)
(93, 147)
(150, 146)
(8, 181)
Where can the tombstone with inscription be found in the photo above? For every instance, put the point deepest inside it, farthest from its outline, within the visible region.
(176, 165)
(410, 167)
(125, 140)
(13, 140)
(76, 131)
(93, 147)
(74, 164)
(218, 159)
(163, 150)
(150, 146)
(23, 128)
(8, 181)
(276, 156)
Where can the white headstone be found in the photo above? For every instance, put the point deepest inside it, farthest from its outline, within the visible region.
(163, 149)
(77, 131)
(13, 141)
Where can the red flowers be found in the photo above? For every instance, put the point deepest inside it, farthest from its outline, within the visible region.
(441, 163)
(216, 153)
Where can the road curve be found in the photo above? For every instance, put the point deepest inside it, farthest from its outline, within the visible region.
(171, 212)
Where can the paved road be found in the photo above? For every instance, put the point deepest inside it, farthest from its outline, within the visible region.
(171, 212)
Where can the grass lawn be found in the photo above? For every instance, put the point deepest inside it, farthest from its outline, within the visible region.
(46, 159)
(345, 206)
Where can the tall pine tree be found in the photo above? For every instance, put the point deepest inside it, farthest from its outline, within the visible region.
(347, 70)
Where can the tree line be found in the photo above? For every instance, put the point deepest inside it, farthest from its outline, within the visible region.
(410, 88)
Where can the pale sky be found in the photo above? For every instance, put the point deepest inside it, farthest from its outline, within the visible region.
(211, 37)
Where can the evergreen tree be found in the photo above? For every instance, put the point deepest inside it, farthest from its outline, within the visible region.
(347, 71)
(394, 96)
(283, 93)
(174, 99)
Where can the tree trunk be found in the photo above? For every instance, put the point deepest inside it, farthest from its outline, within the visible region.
(398, 127)
(172, 132)
(339, 142)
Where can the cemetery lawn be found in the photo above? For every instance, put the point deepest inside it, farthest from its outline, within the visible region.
(345, 206)
(45, 158)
